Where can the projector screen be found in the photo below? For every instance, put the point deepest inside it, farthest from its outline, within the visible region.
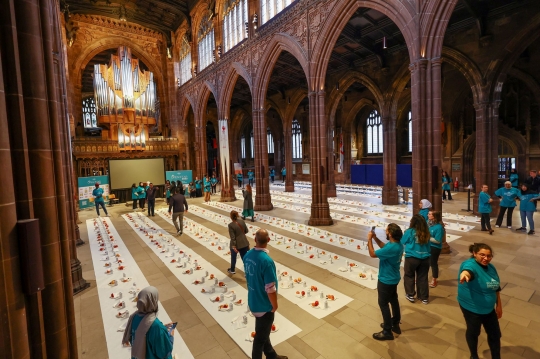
(123, 173)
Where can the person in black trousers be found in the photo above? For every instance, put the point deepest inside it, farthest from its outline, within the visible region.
(151, 197)
(177, 204)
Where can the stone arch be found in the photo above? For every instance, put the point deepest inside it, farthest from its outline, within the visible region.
(528, 80)
(206, 90)
(236, 70)
(393, 94)
(185, 104)
(401, 12)
(351, 115)
(468, 68)
(434, 26)
(280, 42)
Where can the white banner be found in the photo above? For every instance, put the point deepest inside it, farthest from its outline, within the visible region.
(224, 153)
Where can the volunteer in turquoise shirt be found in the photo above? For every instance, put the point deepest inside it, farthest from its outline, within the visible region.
(514, 178)
(198, 186)
(262, 286)
(417, 253)
(446, 180)
(240, 179)
(479, 299)
(527, 208)
(272, 175)
(484, 208)
(424, 205)
(508, 195)
(97, 193)
(437, 233)
(213, 182)
(283, 173)
(168, 190)
(142, 195)
(389, 255)
(134, 195)
(251, 176)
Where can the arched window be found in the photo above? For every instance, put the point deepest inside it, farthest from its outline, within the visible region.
(296, 140)
(89, 112)
(270, 140)
(206, 43)
(185, 62)
(270, 8)
(234, 23)
(374, 133)
(252, 142)
(410, 131)
(243, 146)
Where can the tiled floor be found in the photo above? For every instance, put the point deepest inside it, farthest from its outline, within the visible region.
(432, 331)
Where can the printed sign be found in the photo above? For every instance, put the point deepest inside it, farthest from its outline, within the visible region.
(86, 186)
(184, 176)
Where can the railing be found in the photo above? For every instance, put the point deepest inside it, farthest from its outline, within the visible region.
(83, 146)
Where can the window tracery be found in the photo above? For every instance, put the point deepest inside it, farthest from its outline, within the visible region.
(89, 112)
(185, 62)
(296, 139)
(270, 8)
(206, 43)
(234, 23)
(270, 140)
(374, 134)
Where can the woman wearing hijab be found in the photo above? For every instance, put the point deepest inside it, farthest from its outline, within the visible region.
(425, 205)
(514, 178)
(417, 252)
(148, 337)
(527, 208)
(446, 180)
(248, 204)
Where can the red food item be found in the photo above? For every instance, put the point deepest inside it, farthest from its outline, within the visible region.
(212, 276)
(273, 327)
(217, 299)
(352, 264)
(313, 288)
(221, 284)
(303, 293)
(358, 247)
(224, 306)
(121, 268)
(102, 249)
(316, 303)
(173, 261)
(312, 256)
(112, 295)
(253, 334)
(330, 296)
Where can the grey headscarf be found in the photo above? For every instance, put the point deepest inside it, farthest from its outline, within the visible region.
(147, 304)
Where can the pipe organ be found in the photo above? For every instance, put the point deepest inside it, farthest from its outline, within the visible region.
(126, 99)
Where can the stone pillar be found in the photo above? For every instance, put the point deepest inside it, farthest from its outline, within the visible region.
(346, 155)
(390, 194)
(487, 133)
(263, 200)
(426, 119)
(200, 149)
(331, 186)
(320, 163)
(287, 141)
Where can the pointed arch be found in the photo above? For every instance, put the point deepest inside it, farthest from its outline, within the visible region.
(227, 89)
(353, 112)
(468, 68)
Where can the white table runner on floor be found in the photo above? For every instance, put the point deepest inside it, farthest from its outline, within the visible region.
(112, 324)
(219, 245)
(228, 320)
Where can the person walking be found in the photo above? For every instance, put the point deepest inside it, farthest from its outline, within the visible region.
(508, 195)
(416, 240)
(514, 178)
(479, 298)
(134, 196)
(262, 286)
(251, 177)
(167, 192)
(240, 179)
(148, 337)
(389, 276)
(425, 206)
(207, 189)
(239, 243)
(484, 208)
(177, 204)
(151, 196)
(446, 180)
(213, 182)
(198, 187)
(192, 190)
(437, 234)
(248, 204)
(283, 174)
(527, 207)
(272, 175)
(141, 195)
(97, 193)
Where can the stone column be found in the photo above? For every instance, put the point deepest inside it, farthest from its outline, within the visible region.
(320, 163)
(347, 156)
(199, 147)
(389, 192)
(263, 200)
(287, 144)
(487, 133)
(426, 119)
(331, 186)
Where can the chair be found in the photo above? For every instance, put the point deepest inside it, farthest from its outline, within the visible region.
(113, 200)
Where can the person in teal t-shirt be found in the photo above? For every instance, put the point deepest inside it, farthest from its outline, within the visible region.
(389, 255)
(97, 193)
(262, 286)
(527, 208)
(240, 179)
(484, 208)
(148, 337)
(134, 195)
(207, 189)
(508, 195)
(272, 175)
(446, 180)
(437, 234)
(283, 173)
(425, 206)
(480, 300)
(417, 252)
(213, 182)
(141, 195)
(198, 187)
(251, 176)
(514, 178)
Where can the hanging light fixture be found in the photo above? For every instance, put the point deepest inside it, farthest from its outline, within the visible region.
(384, 42)
(255, 21)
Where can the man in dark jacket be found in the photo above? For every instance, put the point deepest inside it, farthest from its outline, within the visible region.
(151, 197)
(533, 181)
(177, 204)
(239, 243)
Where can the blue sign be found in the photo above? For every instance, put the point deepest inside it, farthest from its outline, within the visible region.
(86, 186)
(184, 176)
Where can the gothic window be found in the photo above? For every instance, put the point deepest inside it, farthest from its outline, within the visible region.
(89, 113)
(410, 131)
(185, 62)
(243, 146)
(270, 8)
(374, 134)
(235, 18)
(206, 43)
(252, 143)
(296, 140)
(270, 140)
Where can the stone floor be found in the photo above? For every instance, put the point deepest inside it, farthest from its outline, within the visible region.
(432, 331)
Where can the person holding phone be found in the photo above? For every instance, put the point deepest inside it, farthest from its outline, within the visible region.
(239, 243)
(389, 255)
(148, 337)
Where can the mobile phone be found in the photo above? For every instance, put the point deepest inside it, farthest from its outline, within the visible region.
(173, 326)
(373, 229)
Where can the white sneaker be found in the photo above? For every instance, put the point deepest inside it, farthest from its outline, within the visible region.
(509, 227)
(497, 226)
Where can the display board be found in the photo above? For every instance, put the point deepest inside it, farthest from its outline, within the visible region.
(184, 176)
(374, 175)
(123, 173)
(86, 186)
